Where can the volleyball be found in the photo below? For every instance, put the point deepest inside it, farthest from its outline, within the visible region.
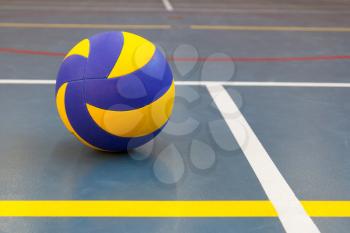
(115, 91)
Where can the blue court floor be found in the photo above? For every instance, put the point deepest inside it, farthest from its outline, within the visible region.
(261, 119)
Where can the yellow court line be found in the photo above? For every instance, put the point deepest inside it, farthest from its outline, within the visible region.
(90, 26)
(269, 28)
(166, 26)
(137, 208)
(327, 208)
(234, 208)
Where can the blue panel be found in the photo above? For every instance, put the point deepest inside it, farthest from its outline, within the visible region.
(104, 52)
(134, 90)
(72, 69)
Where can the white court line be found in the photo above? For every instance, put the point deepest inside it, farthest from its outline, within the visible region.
(167, 5)
(290, 211)
(261, 84)
(261, 11)
(27, 81)
(199, 83)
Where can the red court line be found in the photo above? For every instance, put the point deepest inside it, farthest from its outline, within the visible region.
(31, 52)
(199, 59)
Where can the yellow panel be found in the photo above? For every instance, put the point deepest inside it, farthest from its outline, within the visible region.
(82, 49)
(136, 53)
(61, 108)
(137, 122)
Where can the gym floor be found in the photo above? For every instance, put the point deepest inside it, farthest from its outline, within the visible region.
(258, 142)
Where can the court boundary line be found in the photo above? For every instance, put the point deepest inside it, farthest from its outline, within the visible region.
(290, 211)
(269, 28)
(87, 26)
(168, 26)
(199, 83)
(262, 84)
(137, 208)
(163, 208)
(168, 6)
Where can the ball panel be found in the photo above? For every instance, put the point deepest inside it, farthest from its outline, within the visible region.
(87, 130)
(81, 120)
(72, 69)
(131, 91)
(104, 52)
(138, 122)
(61, 108)
(136, 53)
(81, 49)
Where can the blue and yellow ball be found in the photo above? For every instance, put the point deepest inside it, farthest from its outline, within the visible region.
(115, 91)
